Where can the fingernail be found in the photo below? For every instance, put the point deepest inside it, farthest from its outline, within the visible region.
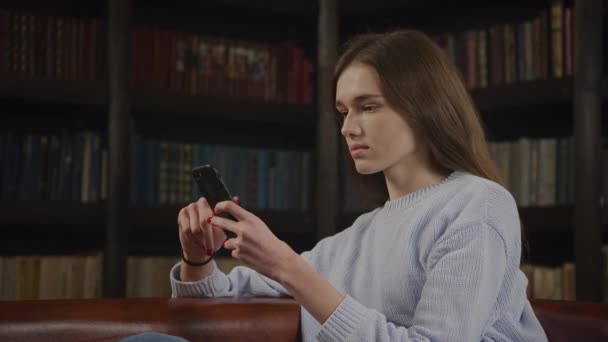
(224, 243)
(209, 252)
(209, 219)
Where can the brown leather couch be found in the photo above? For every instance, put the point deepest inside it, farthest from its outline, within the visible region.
(256, 319)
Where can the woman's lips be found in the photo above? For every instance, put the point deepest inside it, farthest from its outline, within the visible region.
(358, 150)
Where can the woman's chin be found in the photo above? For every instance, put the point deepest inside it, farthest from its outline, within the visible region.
(365, 168)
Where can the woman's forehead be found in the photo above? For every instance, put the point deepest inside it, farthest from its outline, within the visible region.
(356, 81)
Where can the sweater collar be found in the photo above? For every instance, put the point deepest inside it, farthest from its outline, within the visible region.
(413, 197)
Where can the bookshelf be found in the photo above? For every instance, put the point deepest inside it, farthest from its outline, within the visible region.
(553, 92)
(152, 227)
(549, 107)
(94, 94)
(81, 215)
(103, 104)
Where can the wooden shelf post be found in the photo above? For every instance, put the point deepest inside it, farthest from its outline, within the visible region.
(115, 256)
(587, 135)
(327, 137)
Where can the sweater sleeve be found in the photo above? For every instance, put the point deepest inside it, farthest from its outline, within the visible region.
(240, 282)
(465, 270)
(245, 282)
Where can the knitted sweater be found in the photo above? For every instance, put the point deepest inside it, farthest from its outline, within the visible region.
(438, 264)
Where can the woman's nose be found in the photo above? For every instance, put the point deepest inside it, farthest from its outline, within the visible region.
(350, 127)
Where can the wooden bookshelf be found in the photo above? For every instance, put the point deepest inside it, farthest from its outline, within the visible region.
(546, 219)
(69, 213)
(154, 229)
(536, 101)
(51, 213)
(552, 92)
(162, 101)
(94, 94)
(64, 92)
(508, 96)
(64, 227)
(166, 216)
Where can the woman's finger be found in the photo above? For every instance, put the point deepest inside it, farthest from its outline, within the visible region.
(183, 220)
(235, 254)
(209, 237)
(229, 244)
(204, 212)
(195, 226)
(233, 209)
(185, 233)
(225, 223)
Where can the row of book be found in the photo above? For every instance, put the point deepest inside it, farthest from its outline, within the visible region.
(262, 178)
(65, 166)
(75, 48)
(213, 66)
(79, 276)
(540, 172)
(556, 283)
(537, 172)
(535, 49)
(54, 47)
(50, 277)
(74, 166)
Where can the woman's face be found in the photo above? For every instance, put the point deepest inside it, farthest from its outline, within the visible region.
(378, 137)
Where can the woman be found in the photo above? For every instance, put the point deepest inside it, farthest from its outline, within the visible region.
(438, 261)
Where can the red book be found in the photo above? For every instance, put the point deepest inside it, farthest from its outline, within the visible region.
(471, 40)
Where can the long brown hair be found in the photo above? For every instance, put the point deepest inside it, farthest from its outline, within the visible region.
(418, 80)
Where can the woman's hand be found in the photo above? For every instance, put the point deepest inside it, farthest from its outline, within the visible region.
(254, 244)
(199, 239)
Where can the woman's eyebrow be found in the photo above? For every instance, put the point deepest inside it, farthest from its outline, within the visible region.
(361, 98)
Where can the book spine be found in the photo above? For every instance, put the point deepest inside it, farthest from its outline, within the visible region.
(557, 38)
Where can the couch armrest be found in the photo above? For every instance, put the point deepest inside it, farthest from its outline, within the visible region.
(196, 319)
(227, 319)
(572, 321)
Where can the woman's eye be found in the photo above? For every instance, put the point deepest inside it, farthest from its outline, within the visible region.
(369, 108)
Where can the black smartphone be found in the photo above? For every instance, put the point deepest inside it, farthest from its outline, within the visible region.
(212, 187)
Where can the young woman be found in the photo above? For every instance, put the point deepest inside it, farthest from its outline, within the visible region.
(438, 261)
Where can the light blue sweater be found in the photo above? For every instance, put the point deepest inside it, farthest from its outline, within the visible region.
(439, 264)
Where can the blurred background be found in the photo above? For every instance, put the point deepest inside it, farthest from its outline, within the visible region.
(107, 105)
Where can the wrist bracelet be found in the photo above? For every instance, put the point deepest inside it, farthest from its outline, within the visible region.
(194, 263)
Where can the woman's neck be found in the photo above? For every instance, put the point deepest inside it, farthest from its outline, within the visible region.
(403, 180)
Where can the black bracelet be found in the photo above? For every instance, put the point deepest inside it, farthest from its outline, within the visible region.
(194, 263)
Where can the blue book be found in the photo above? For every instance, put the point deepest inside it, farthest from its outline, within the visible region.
(76, 160)
(54, 161)
(262, 180)
(16, 159)
(156, 172)
(27, 176)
